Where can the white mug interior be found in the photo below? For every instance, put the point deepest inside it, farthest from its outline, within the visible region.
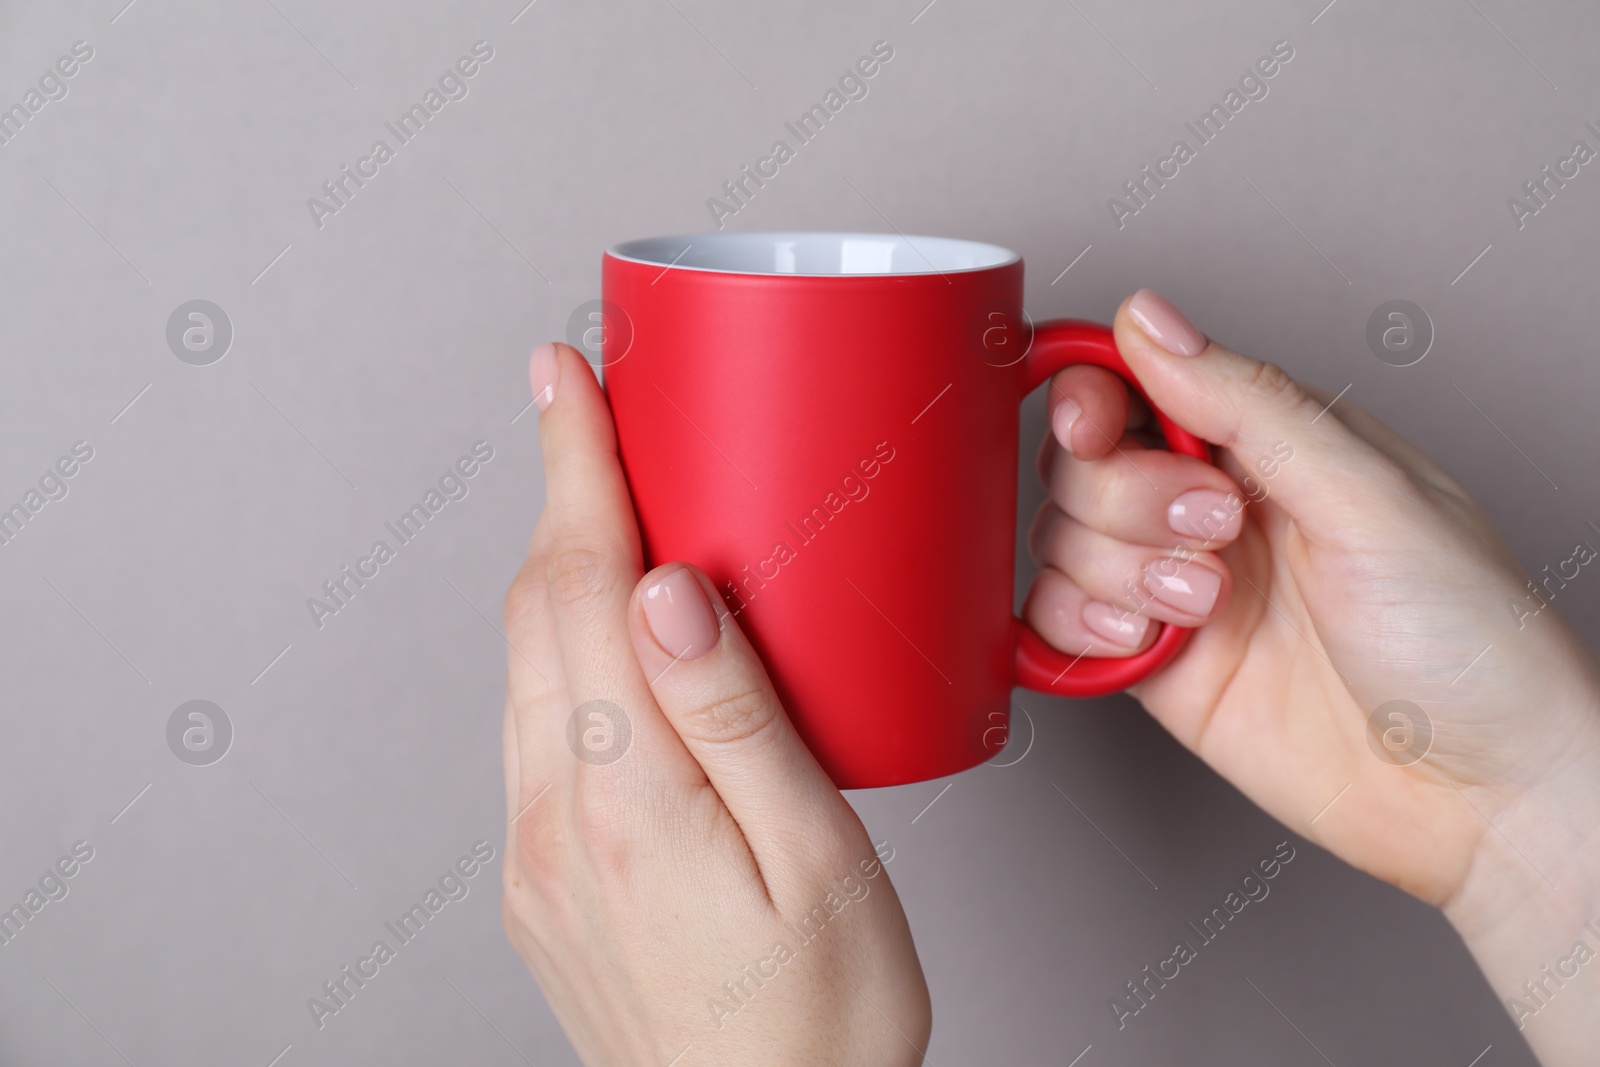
(814, 254)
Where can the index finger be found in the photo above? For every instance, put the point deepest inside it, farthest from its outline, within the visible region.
(588, 560)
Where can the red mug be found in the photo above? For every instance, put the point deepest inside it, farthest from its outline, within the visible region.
(826, 424)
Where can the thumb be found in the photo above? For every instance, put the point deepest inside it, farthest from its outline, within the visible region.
(1321, 473)
(713, 689)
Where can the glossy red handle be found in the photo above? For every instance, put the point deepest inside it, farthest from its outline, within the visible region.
(1038, 666)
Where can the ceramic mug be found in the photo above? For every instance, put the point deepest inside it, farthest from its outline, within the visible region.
(826, 424)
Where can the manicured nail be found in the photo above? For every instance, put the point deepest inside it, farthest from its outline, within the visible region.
(680, 616)
(1206, 515)
(542, 371)
(1121, 628)
(1061, 421)
(1184, 586)
(1165, 324)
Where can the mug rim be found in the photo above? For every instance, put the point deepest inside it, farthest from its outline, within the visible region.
(666, 252)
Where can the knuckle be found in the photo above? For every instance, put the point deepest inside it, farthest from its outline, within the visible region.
(1114, 492)
(604, 822)
(541, 842)
(1272, 385)
(522, 596)
(578, 574)
(730, 719)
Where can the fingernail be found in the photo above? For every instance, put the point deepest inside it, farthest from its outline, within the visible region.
(542, 371)
(679, 615)
(1121, 628)
(1061, 420)
(1184, 586)
(1206, 515)
(1165, 324)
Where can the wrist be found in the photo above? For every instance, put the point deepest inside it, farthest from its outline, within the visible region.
(1529, 905)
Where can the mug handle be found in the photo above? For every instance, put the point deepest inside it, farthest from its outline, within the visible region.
(1057, 345)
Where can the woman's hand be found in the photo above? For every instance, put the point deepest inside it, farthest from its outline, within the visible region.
(682, 878)
(1361, 574)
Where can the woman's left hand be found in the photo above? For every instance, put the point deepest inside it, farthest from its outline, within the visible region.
(682, 878)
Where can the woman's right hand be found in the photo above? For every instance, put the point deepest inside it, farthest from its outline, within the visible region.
(1363, 574)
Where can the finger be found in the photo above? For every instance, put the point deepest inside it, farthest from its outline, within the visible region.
(590, 563)
(1323, 475)
(586, 492)
(715, 692)
(536, 696)
(1148, 496)
(1185, 589)
(533, 666)
(1071, 620)
(1088, 410)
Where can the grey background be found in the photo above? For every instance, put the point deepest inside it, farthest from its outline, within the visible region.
(374, 351)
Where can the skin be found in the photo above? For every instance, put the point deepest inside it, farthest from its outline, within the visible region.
(1362, 574)
(635, 889)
